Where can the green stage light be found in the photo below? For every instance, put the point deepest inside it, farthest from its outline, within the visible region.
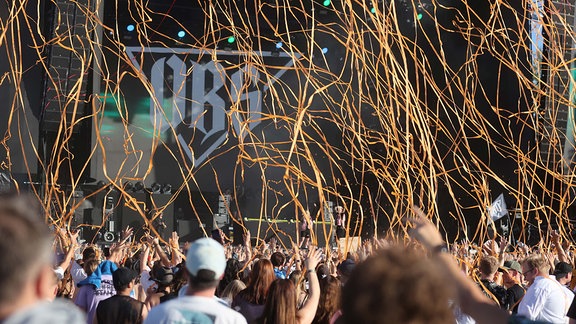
(326, 3)
(231, 39)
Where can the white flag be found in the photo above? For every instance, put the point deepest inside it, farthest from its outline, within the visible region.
(498, 208)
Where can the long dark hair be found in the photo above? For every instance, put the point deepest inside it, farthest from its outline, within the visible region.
(233, 267)
(281, 304)
(261, 278)
(329, 301)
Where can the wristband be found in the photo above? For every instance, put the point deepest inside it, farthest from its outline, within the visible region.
(442, 248)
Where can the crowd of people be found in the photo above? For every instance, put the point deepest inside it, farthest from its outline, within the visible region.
(423, 280)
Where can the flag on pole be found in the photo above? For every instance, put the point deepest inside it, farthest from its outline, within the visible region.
(498, 209)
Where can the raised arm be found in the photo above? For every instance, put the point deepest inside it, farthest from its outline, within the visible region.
(471, 299)
(175, 247)
(73, 236)
(562, 256)
(248, 244)
(308, 311)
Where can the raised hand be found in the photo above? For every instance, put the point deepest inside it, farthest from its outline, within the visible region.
(173, 241)
(247, 237)
(313, 258)
(73, 237)
(126, 233)
(423, 230)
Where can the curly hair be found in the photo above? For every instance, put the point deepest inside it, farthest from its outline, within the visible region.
(399, 285)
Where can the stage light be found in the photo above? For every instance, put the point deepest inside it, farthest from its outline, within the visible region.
(181, 34)
(231, 39)
(156, 187)
(279, 45)
(128, 186)
(373, 10)
(326, 3)
(167, 189)
(130, 28)
(419, 16)
(139, 186)
(325, 50)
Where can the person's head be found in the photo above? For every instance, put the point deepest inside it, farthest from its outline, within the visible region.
(232, 289)
(89, 253)
(205, 263)
(329, 303)
(511, 273)
(90, 266)
(298, 280)
(277, 259)
(322, 271)
(388, 285)
(163, 276)
(261, 278)
(26, 275)
(281, 303)
(488, 266)
(563, 272)
(345, 269)
(233, 267)
(123, 279)
(533, 266)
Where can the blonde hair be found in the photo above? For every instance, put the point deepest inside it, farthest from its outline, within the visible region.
(537, 261)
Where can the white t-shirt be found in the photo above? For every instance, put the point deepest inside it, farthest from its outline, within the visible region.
(77, 272)
(193, 309)
(544, 301)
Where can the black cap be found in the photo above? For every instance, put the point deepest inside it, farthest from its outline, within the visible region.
(123, 276)
(346, 267)
(562, 268)
(162, 275)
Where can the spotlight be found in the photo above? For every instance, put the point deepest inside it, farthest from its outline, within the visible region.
(373, 10)
(109, 237)
(130, 28)
(231, 40)
(167, 189)
(279, 45)
(181, 34)
(156, 187)
(419, 16)
(326, 3)
(325, 50)
(139, 186)
(128, 186)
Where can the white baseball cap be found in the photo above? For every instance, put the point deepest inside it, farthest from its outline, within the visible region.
(206, 254)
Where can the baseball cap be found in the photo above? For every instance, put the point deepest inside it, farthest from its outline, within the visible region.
(123, 276)
(346, 267)
(562, 268)
(162, 275)
(512, 265)
(206, 254)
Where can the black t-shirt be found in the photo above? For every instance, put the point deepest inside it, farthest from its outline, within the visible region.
(514, 295)
(498, 291)
(119, 309)
(572, 310)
